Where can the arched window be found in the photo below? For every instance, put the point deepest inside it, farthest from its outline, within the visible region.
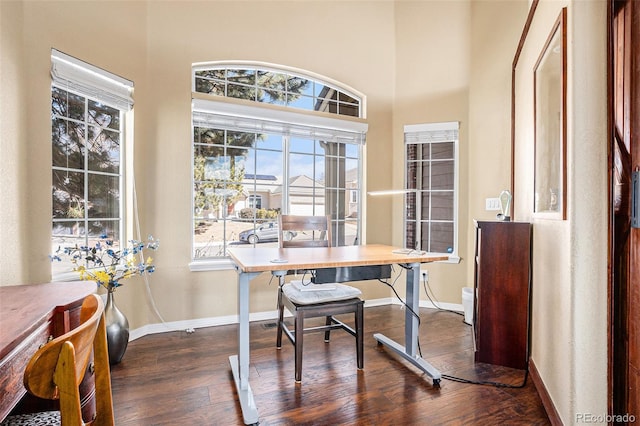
(286, 137)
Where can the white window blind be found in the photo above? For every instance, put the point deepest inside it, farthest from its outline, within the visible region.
(231, 116)
(431, 133)
(78, 76)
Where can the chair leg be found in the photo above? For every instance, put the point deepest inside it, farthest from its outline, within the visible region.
(299, 333)
(359, 336)
(326, 333)
(280, 319)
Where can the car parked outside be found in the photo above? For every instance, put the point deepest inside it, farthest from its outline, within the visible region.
(263, 233)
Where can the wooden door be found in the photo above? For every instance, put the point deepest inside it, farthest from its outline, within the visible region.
(624, 351)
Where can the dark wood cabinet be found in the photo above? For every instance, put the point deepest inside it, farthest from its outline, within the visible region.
(503, 288)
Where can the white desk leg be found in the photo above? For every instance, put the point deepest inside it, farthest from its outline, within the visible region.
(410, 350)
(240, 363)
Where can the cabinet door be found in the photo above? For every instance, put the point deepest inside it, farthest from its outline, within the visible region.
(502, 274)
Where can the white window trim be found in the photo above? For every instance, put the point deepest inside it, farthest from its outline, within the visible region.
(231, 113)
(203, 66)
(444, 131)
(74, 75)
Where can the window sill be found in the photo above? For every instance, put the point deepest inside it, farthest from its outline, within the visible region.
(224, 264)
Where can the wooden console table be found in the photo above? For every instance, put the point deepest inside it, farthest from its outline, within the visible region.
(29, 316)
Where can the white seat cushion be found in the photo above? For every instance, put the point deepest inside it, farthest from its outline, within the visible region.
(341, 292)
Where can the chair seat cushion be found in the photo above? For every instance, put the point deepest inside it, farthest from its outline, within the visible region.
(341, 292)
(33, 419)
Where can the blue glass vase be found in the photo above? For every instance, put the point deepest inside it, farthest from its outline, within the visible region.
(117, 330)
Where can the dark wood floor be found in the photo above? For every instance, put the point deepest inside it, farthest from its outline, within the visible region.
(185, 379)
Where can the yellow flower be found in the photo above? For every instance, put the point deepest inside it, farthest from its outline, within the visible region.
(102, 277)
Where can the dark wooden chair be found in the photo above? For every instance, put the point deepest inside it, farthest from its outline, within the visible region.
(315, 231)
(55, 371)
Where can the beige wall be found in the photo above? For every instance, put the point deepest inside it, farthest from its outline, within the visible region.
(13, 150)
(417, 62)
(432, 85)
(569, 336)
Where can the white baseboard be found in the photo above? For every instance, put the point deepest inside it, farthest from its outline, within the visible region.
(190, 325)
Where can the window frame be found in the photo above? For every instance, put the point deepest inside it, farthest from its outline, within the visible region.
(103, 88)
(249, 115)
(428, 134)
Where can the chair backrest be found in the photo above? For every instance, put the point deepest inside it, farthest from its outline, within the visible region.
(304, 231)
(57, 368)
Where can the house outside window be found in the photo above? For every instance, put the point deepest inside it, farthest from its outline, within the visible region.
(431, 182)
(88, 107)
(254, 202)
(280, 146)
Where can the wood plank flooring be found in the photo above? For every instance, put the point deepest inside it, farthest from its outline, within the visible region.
(178, 378)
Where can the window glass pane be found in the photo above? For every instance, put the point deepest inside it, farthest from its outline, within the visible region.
(325, 92)
(240, 76)
(68, 195)
(352, 150)
(272, 87)
(442, 151)
(272, 80)
(441, 237)
(311, 166)
(326, 106)
(104, 196)
(103, 115)
(348, 110)
(67, 139)
(67, 104)
(351, 230)
(104, 150)
(442, 175)
(343, 97)
(272, 142)
(425, 169)
(268, 167)
(213, 73)
(301, 102)
(65, 234)
(241, 139)
(441, 205)
(299, 85)
(213, 87)
(351, 173)
(208, 238)
(240, 91)
(208, 136)
(304, 145)
(425, 237)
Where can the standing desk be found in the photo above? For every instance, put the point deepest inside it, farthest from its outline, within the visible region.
(250, 262)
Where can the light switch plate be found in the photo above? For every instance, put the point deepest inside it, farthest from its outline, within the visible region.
(492, 204)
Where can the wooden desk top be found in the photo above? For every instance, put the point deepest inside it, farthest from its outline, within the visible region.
(23, 308)
(259, 259)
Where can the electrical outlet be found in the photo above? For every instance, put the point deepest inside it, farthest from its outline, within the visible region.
(424, 274)
(492, 204)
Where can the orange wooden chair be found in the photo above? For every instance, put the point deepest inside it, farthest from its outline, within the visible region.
(57, 368)
(301, 231)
